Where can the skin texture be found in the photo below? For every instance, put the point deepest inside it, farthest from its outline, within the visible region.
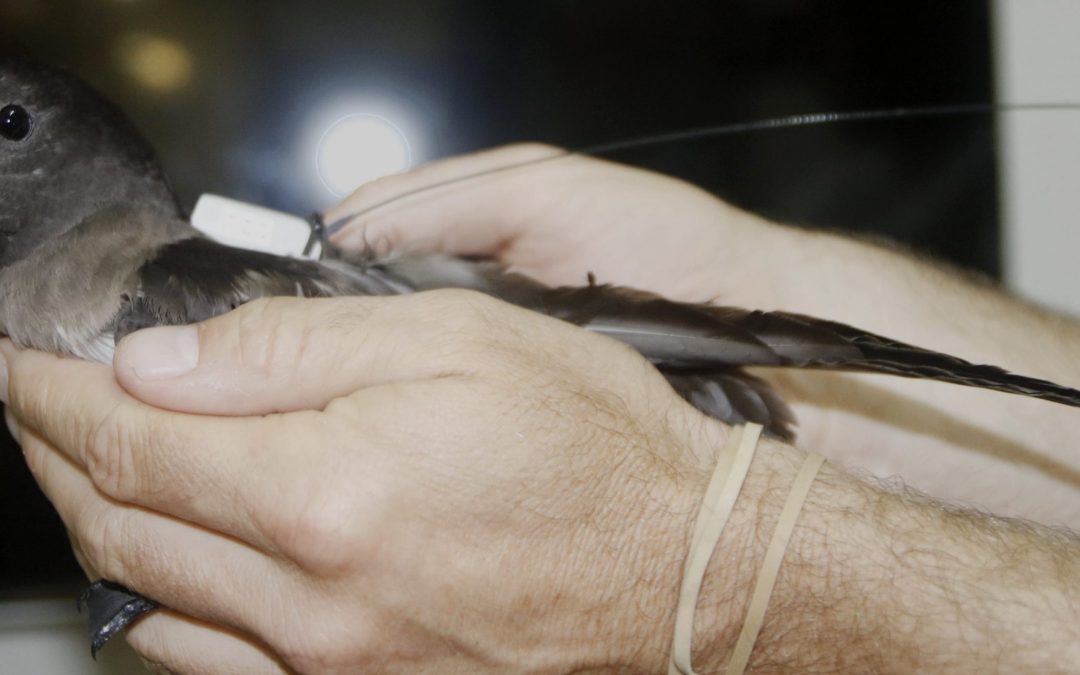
(415, 521)
(343, 535)
(444, 483)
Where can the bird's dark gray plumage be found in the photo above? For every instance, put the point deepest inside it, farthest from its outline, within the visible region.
(93, 246)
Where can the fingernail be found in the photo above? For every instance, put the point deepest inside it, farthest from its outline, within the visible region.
(3, 381)
(163, 352)
(12, 425)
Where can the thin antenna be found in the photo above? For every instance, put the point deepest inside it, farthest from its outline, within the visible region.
(787, 122)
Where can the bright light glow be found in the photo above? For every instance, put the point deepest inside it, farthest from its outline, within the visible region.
(359, 148)
(354, 133)
(157, 63)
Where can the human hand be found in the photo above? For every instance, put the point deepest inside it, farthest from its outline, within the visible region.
(375, 484)
(558, 220)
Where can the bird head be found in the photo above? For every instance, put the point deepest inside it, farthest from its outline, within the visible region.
(66, 154)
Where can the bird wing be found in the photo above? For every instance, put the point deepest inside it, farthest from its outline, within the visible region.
(195, 279)
(711, 341)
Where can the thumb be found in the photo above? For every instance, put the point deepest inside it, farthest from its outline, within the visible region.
(280, 355)
(467, 205)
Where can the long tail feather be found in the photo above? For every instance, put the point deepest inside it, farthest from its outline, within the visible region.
(696, 338)
(701, 349)
(883, 355)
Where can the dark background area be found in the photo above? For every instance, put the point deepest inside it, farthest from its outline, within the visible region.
(470, 75)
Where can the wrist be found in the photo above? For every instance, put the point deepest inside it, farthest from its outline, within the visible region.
(664, 497)
(735, 562)
(873, 579)
(739, 556)
(819, 583)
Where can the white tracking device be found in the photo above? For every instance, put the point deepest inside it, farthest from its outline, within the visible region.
(257, 228)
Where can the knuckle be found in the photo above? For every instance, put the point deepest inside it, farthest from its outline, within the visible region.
(318, 537)
(280, 338)
(109, 455)
(466, 318)
(102, 537)
(133, 459)
(126, 458)
(266, 340)
(29, 395)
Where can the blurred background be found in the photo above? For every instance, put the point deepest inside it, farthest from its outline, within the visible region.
(291, 104)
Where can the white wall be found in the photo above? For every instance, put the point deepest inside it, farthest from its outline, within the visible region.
(1038, 60)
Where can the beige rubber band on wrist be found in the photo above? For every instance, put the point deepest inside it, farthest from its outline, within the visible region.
(724, 486)
(732, 466)
(770, 569)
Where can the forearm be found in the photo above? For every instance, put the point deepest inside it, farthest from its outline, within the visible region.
(891, 291)
(875, 581)
(879, 581)
(1011, 454)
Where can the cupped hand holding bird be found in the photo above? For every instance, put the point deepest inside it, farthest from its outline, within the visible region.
(562, 219)
(432, 483)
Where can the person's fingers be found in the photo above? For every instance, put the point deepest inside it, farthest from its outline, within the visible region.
(185, 567)
(170, 642)
(290, 354)
(81, 559)
(200, 468)
(469, 205)
(196, 468)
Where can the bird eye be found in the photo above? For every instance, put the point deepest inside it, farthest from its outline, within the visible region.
(14, 122)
